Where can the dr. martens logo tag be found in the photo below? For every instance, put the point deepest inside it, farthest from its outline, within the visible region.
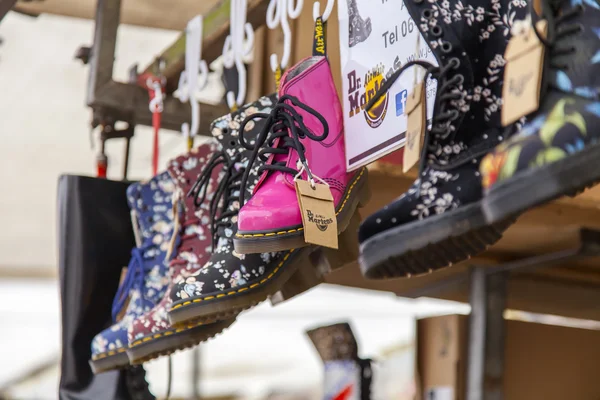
(319, 220)
(523, 74)
(318, 213)
(319, 48)
(518, 85)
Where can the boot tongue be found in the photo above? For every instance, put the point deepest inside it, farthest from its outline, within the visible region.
(295, 71)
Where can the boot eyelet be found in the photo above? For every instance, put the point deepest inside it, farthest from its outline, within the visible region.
(460, 80)
(446, 47)
(225, 131)
(455, 62)
(232, 143)
(436, 31)
(427, 14)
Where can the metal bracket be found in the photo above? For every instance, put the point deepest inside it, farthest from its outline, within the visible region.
(117, 101)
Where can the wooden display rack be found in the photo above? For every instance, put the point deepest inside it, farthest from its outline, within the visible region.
(545, 263)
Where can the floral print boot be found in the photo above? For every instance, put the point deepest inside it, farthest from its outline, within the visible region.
(151, 335)
(230, 282)
(147, 278)
(556, 152)
(439, 220)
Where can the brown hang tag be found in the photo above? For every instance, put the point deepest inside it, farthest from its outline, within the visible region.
(415, 110)
(523, 74)
(121, 313)
(318, 214)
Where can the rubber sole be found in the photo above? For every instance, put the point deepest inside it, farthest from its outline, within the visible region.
(531, 188)
(158, 344)
(219, 308)
(357, 195)
(424, 246)
(118, 360)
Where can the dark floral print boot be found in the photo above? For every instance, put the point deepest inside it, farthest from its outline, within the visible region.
(147, 277)
(151, 335)
(230, 282)
(556, 152)
(359, 29)
(439, 220)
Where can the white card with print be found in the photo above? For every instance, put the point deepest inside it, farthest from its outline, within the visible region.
(377, 38)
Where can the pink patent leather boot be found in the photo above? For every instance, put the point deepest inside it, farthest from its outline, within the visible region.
(305, 127)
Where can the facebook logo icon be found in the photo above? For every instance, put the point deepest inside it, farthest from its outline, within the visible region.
(401, 102)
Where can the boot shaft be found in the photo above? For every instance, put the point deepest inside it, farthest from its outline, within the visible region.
(226, 130)
(151, 203)
(195, 243)
(471, 38)
(311, 82)
(573, 62)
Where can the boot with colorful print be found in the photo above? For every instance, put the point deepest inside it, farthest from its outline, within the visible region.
(359, 29)
(231, 282)
(305, 129)
(556, 151)
(151, 335)
(439, 220)
(147, 278)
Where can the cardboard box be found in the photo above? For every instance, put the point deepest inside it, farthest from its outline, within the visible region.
(542, 362)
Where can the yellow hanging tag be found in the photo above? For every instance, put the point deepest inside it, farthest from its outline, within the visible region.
(523, 74)
(278, 73)
(319, 35)
(318, 214)
(415, 110)
(176, 198)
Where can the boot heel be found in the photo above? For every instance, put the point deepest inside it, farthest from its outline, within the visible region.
(306, 277)
(347, 251)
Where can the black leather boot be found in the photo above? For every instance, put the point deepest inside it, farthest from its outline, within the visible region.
(93, 216)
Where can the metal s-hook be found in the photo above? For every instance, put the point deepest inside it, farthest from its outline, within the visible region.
(194, 77)
(278, 13)
(238, 45)
(326, 13)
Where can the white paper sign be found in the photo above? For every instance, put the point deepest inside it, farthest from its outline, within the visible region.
(377, 37)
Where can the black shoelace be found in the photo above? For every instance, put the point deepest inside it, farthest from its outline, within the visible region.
(226, 193)
(282, 132)
(446, 110)
(558, 28)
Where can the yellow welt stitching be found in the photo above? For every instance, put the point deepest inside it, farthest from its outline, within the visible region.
(209, 298)
(362, 171)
